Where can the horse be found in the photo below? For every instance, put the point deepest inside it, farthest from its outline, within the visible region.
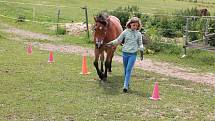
(105, 29)
(203, 12)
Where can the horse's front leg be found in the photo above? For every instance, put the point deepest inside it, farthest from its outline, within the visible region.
(102, 61)
(97, 65)
(110, 66)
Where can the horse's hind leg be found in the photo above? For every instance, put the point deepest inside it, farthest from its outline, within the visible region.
(107, 64)
(110, 65)
(111, 57)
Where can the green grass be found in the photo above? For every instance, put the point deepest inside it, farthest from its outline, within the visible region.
(34, 27)
(32, 89)
(77, 40)
(73, 12)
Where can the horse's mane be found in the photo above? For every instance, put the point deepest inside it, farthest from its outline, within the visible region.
(102, 17)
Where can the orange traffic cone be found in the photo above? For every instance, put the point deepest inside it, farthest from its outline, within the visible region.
(84, 66)
(155, 94)
(29, 49)
(51, 58)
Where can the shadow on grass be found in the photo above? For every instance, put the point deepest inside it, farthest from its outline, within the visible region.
(137, 92)
(114, 86)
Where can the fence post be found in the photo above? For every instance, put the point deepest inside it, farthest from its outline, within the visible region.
(206, 32)
(187, 32)
(86, 15)
(33, 13)
(58, 18)
(186, 36)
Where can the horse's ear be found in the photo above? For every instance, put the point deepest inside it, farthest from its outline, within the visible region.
(94, 18)
(107, 21)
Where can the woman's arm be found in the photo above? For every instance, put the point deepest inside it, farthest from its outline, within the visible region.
(118, 40)
(140, 42)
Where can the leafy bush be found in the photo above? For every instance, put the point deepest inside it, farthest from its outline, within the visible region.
(208, 60)
(125, 13)
(212, 40)
(20, 18)
(188, 12)
(165, 48)
(173, 26)
(156, 47)
(168, 29)
(61, 31)
(166, 26)
(195, 24)
(212, 26)
(197, 54)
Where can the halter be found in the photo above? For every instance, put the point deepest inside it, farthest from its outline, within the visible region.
(100, 43)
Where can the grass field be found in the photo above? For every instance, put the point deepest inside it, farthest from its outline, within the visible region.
(32, 89)
(71, 11)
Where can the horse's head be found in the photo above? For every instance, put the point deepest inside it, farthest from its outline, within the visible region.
(203, 12)
(100, 30)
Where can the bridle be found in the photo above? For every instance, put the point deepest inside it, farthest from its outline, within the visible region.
(98, 42)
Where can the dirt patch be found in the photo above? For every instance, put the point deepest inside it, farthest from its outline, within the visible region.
(26, 34)
(149, 65)
(76, 28)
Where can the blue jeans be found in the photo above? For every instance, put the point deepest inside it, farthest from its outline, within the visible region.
(128, 62)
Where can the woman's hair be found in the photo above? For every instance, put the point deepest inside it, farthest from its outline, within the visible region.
(134, 20)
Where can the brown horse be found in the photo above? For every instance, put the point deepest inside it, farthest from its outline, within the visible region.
(203, 12)
(106, 29)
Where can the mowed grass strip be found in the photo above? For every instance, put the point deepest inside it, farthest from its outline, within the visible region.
(33, 89)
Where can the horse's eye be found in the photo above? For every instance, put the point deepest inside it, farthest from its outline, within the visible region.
(94, 28)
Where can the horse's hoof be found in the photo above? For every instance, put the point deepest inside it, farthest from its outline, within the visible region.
(101, 76)
(104, 79)
(104, 76)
